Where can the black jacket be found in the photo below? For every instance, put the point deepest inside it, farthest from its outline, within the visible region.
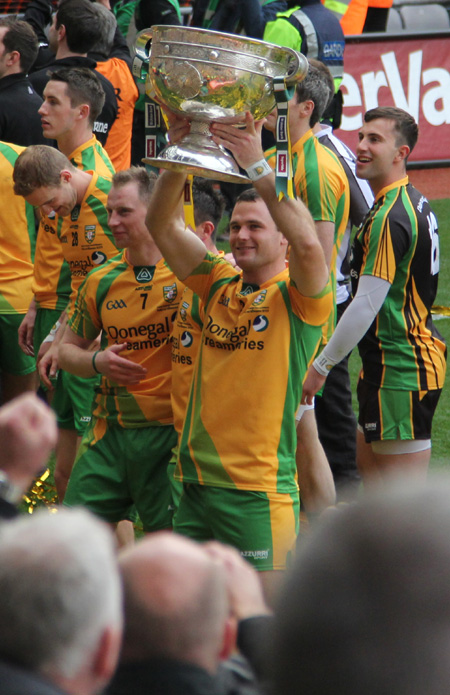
(20, 122)
(108, 115)
(18, 681)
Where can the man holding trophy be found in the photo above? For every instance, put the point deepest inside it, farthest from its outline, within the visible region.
(262, 328)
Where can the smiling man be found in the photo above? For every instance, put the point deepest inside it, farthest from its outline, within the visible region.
(73, 98)
(78, 234)
(395, 269)
(132, 300)
(261, 329)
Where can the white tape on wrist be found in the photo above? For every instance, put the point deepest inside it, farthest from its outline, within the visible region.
(323, 364)
(259, 170)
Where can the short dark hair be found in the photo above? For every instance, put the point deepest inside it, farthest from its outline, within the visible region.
(208, 203)
(315, 87)
(38, 166)
(83, 87)
(405, 126)
(82, 23)
(22, 38)
(144, 179)
(249, 195)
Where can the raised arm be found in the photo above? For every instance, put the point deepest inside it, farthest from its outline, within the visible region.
(182, 250)
(307, 264)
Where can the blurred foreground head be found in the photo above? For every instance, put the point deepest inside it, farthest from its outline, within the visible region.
(366, 609)
(60, 599)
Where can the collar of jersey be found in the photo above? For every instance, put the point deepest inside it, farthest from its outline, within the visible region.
(401, 182)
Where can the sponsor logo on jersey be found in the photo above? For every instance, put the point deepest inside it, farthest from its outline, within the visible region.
(89, 233)
(260, 323)
(256, 554)
(98, 257)
(170, 292)
(186, 339)
(224, 300)
(116, 304)
(144, 274)
(74, 215)
(370, 426)
(260, 298)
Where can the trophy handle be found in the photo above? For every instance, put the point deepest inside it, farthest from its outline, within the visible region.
(297, 68)
(142, 46)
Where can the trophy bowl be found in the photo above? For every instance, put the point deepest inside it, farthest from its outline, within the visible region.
(209, 76)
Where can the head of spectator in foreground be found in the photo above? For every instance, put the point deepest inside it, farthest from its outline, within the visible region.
(366, 608)
(44, 177)
(60, 601)
(76, 27)
(176, 603)
(71, 96)
(208, 210)
(19, 46)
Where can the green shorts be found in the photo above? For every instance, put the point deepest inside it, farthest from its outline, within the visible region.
(263, 526)
(175, 485)
(118, 470)
(12, 359)
(73, 400)
(388, 414)
(45, 320)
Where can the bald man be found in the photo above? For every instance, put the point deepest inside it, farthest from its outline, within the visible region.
(180, 615)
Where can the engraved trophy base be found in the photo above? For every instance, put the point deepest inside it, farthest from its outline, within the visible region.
(198, 154)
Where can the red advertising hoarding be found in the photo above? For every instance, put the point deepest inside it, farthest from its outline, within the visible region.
(407, 71)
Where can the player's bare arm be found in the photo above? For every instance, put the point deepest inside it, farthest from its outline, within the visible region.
(76, 357)
(182, 250)
(306, 260)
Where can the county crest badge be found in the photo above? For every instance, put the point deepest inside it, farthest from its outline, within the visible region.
(170, 292)
(260, 298)
(89, 233)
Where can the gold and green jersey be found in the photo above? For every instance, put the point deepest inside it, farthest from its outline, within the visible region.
(51, 283)
(187, 332)
(86, 239)
(399, 242)
(321, 183)
(136, 305)
(18, 239)
(256, 345)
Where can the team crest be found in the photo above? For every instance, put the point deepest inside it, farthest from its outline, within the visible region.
(89, 233)
(260, 298)
(170, 292)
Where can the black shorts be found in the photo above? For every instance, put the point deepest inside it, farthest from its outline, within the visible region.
(388, 414)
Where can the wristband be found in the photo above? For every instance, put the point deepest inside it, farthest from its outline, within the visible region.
(323, 364)
(259, 170)
(53, 331)
(93, 361)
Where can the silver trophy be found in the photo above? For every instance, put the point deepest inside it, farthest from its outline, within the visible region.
(209, 76)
